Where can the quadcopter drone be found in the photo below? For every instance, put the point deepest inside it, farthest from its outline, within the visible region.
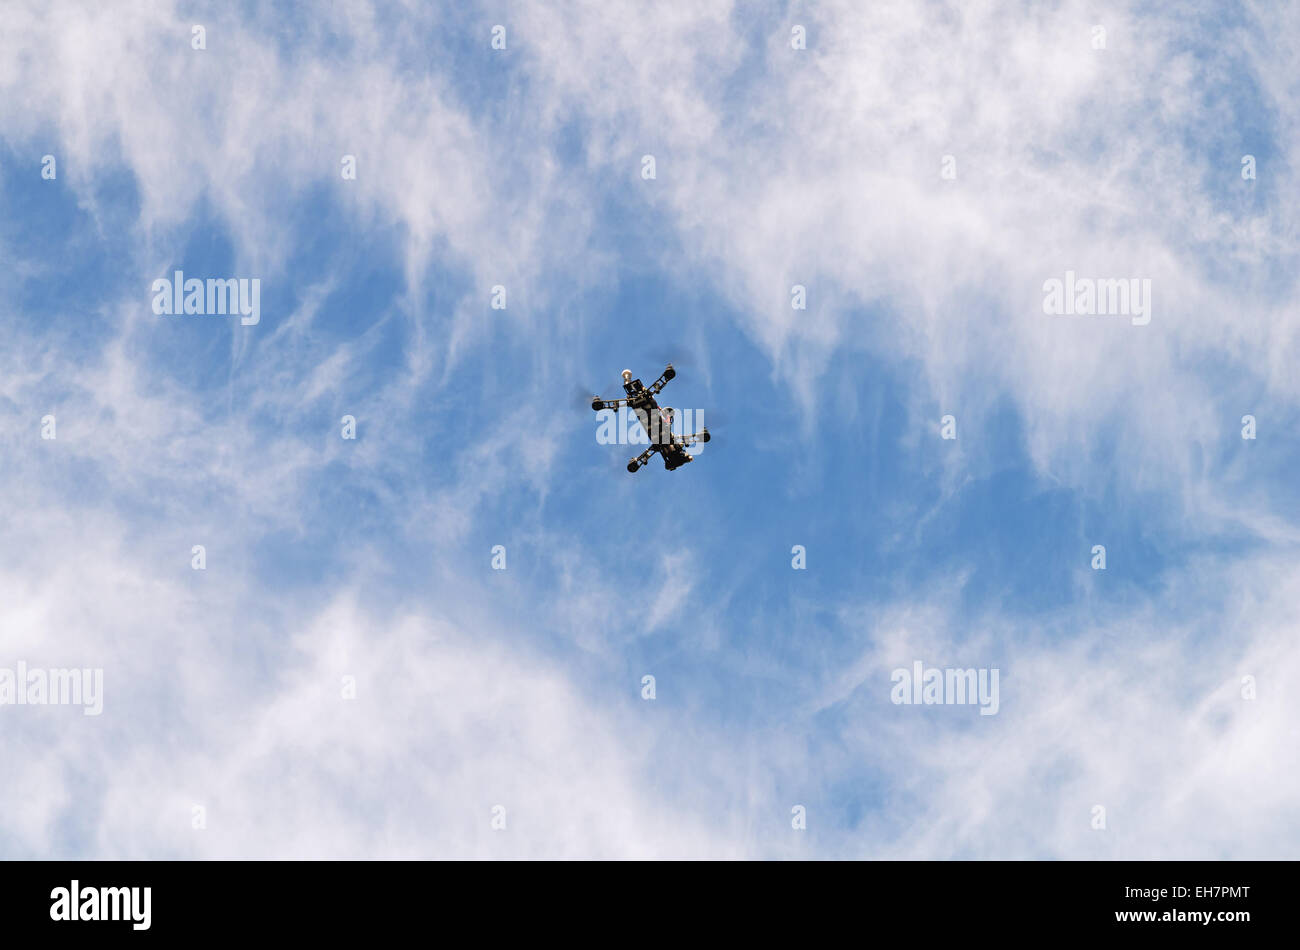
(657, 422)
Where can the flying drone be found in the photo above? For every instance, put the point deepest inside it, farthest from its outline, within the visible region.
(657, 422)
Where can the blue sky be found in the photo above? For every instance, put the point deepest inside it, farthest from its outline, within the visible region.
(521, 688)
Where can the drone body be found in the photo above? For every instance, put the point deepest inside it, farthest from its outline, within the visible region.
(657, 422)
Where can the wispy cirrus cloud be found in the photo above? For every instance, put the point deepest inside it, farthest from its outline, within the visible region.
(370, 558)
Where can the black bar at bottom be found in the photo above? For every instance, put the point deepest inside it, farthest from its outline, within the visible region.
(638, 901)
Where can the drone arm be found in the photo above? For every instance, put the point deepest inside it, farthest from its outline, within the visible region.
(701, 436)
(640, 460)
(663, 380)
(598, 404)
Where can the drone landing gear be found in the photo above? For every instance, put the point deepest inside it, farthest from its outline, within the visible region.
(676, 460)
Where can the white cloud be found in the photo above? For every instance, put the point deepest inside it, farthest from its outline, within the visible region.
(1139, 712)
